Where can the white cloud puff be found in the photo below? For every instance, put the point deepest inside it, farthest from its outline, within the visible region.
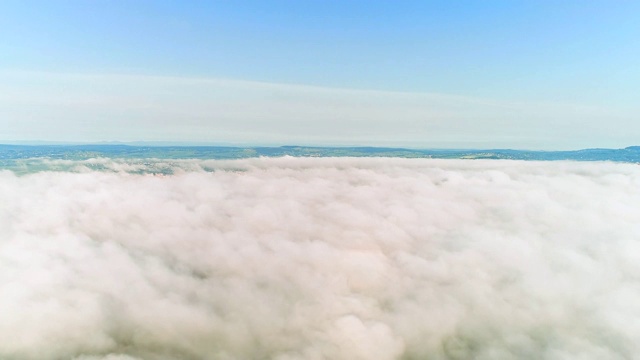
(300, 258)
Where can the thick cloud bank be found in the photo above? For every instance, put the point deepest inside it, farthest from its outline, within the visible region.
(295, 258)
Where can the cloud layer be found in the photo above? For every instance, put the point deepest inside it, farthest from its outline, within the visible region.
(294, 258)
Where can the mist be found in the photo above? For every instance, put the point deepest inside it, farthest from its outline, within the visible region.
(320, 258)
(54, 107)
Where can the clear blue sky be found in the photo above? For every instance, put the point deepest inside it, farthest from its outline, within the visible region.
(564, 72)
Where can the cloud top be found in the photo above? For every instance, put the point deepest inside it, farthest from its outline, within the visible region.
(299, 258)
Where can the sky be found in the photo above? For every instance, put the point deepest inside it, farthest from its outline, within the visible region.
(430, 74)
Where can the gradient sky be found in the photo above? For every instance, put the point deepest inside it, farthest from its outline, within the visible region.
(518, 74)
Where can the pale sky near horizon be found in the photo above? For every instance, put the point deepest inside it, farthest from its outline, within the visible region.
(482, 74)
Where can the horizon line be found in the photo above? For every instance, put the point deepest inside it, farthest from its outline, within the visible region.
(187, 144)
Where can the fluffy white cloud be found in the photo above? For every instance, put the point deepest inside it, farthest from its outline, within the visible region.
(295, 258)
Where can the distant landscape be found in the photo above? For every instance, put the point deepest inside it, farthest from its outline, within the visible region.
(10, 153)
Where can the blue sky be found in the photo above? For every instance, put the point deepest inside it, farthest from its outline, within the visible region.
(519, 74)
